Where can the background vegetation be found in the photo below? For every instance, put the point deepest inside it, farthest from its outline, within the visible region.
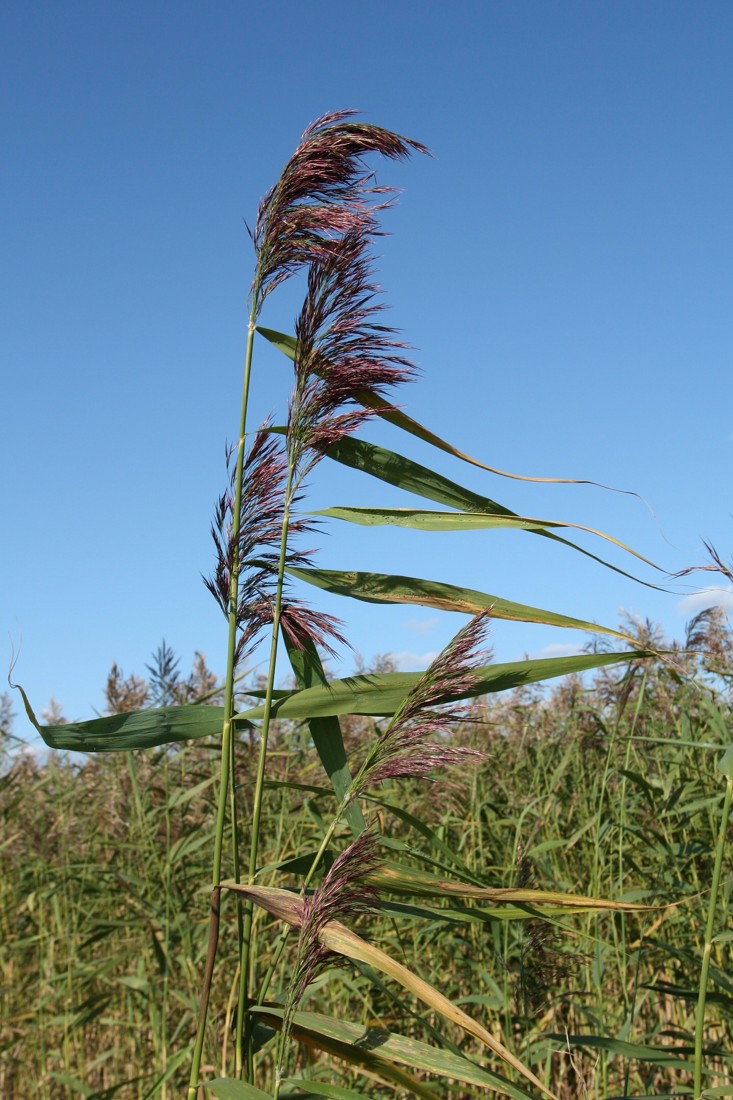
(607, 788)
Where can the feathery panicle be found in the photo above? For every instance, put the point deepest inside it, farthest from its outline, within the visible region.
(344, 354)
(254, 555)
(543, 968)
(323, 193)
(342, 894)
(408, 747)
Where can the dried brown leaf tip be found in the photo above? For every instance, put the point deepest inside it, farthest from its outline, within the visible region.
(417, 740)
(324, 192)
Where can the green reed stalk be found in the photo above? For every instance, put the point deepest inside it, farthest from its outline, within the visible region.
(726, 767)
(226, 740)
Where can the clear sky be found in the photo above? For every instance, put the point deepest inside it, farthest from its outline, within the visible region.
(562, 266)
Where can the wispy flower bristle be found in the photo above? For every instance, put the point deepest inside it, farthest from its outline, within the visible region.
(323, 193)
(344, 355)
(254, 554)
(343, 894)
(415, 742)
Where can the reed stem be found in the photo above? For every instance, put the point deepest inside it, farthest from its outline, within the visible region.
(226, 740)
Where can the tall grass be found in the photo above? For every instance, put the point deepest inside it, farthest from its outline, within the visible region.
(285, 892)
(104, 924)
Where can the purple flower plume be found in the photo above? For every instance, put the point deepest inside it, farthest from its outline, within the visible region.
(415, 741)
(343, 894)
(323, 193)
(254, 553)
(344, 355)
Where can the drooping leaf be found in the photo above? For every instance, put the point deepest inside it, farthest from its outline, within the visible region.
(298, 1087)
(403, 473)
(326, 732)
(380, 694)
(342, 941)
(374, 1048)
(410, 880)
(671, 1057)
(389, 588)
(137, 729)
(288, 346)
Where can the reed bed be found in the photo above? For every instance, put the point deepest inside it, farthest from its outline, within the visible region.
(607, 789)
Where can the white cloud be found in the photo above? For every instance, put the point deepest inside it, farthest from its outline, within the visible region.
(557, 649)
(413, 662)
(712, 596)
(421, 626)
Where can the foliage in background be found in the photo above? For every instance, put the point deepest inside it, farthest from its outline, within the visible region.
(607, 788)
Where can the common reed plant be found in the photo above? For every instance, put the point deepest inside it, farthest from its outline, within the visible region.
(368, 850)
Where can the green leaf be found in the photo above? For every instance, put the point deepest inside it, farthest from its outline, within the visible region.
(288, 346)
(381, 694)
(420, 519)
(154, 1091)
(410, 880)
(341, 940)
(395, 469)
(227, 1088)
(292, 1086)
(372, 1047)
(388, 588)
(402, 472)
(138, 729)
(326, 732)
(725, 764)
(673, 1058)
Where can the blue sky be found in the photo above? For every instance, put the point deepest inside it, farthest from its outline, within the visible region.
(562, 267)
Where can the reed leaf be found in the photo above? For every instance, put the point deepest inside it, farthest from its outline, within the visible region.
(381, 694)
(410, 880)
(392, 588)
(342, 941)
(137, 729)
(228, 1088)
(288, 345)
(326, 732)
(375, 1048)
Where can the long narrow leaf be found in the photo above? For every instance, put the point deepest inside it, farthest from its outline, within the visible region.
(372, 1046)
(342, 941)
(288, 346)
(326, 732)
(380, 694)
(403, 473)
(389, 588)
(409, 880)
(138, 729)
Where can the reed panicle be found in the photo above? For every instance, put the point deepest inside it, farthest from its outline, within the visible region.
(343, 894)
(343, 354)
(324, 192)
(253, 555)
(414, 744)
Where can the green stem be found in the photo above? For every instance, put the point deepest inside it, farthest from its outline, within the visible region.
(226, 740)
(260, 778)
(709, 929)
